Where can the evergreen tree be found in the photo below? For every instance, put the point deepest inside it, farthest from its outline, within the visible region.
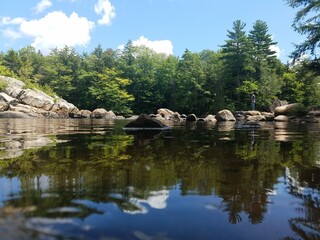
(236, 54)
(307, 22)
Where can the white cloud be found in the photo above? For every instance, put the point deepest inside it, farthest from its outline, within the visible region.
(11, 34)
(42, 5)
(56, 29)
(104, 8)
(11, 21)
(159, 46)
(276, 49)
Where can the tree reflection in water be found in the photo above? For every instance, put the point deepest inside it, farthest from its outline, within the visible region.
(136, 172)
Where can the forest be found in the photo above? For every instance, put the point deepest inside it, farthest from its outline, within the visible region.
(136, 79)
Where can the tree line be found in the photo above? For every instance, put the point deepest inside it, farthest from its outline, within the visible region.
(136, 79)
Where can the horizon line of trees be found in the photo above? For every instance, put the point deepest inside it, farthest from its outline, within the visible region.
(139, 80)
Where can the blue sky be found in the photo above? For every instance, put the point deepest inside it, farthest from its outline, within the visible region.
(169, 26)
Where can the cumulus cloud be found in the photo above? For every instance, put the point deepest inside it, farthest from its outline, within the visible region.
(56, 29)
(276, 49)
(42, 5)
(159, 46)
(106, 10)
(11, 34)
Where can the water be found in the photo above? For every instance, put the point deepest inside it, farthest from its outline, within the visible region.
(82, 179)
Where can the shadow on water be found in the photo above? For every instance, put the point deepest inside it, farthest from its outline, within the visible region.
(91, 180)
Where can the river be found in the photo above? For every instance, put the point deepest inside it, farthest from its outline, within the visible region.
(89, 179)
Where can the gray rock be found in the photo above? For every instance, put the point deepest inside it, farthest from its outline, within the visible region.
(102, 113)
(11, 114)
(191, 118)
(225, 115)
(36, 98)
(210, 118)
(145, 122)
(290, 109)
(282, 118)
(165, 113)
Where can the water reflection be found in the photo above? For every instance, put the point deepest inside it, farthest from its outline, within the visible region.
(69, 176)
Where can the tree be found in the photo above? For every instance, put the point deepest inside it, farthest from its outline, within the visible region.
(306, 22)
(236, 54)
(264, 60)
(108, 91)
(262, 43)
(192, 94)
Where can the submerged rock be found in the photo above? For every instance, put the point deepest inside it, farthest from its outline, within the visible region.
(145, 122)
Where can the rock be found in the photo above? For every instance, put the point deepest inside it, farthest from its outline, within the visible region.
(268, 116)
(252, 113)
(176, 117)
(64, 108)
(29, 110)
(165, 113)
(145, 122)
(85, 113)
(14, 86)
(12, 114)
(36, 98)
(4, 106)
(6, 98)
(32, 102)
(225, 115)
(290, 109)
(102, 113)
(191, 118)
(276, 103)
(210, 118)
(239, 115)
(255, 118)
(183, 116)
(281, 118)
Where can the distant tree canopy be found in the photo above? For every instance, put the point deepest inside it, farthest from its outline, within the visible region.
(139, 80)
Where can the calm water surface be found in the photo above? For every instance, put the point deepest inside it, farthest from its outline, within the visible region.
(82, 179)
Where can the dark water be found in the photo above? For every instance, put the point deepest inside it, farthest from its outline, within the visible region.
(82, 179)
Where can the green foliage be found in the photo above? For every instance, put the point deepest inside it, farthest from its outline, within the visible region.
(3, 85)
(306, 22)
(108, 91)
(136, 79)
(5, 71)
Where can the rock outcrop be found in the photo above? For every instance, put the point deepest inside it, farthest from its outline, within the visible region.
(18, 102)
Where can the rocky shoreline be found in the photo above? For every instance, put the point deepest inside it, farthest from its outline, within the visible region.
(18, 102)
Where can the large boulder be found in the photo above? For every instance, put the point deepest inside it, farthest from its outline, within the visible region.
(145, 122)
(64, 108)
(165, 113)
(36, 98)
(14, 86)
(292, 109)
(225, 115)
(102, 113)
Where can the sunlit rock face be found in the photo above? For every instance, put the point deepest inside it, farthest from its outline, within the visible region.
(225, 115)
(32, 102)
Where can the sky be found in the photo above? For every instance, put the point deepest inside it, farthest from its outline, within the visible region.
(166, 26)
